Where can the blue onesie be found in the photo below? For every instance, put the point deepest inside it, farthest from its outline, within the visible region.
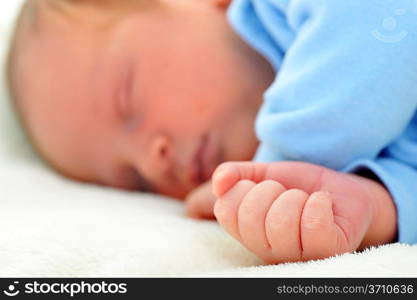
(345, 95)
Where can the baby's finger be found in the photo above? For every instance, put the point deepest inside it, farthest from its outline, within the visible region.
(199, 203)
(226, 207)
(252, 214)
(227, 174)
(198, 208)
(320, 236)
(287, 173)
(283, 226)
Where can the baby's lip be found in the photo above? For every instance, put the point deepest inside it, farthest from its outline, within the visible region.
(196, 169)
(204, 161)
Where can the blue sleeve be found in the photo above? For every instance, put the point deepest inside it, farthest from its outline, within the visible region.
(341, 93)
(345, 88)
(262, 24)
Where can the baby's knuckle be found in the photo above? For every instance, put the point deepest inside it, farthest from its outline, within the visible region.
(298, 193)
(245, 182)
(271, 184)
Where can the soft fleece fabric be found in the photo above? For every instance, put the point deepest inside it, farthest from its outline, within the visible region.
(345, 94)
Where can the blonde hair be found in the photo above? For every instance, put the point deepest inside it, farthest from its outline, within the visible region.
(31, 23)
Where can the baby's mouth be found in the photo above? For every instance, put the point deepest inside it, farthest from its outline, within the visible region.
(203, 162)
(197, 168)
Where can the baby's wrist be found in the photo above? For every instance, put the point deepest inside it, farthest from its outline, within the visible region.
(383, 226)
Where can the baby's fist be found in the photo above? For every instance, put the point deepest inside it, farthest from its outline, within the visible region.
(286, 211)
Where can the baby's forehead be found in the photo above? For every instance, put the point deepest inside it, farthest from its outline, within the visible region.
(51, 41)
(48, 67)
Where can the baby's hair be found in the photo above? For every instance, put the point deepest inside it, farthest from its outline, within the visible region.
(31, 24)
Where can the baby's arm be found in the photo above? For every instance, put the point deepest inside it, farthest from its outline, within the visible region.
(292, 211)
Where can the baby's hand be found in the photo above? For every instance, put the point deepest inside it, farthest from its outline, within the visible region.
(200, 202)
(292, 211)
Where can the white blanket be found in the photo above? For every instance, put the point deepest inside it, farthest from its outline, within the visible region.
(51, 226)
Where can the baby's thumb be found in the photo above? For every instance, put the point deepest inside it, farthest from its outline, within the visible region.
(229, 173)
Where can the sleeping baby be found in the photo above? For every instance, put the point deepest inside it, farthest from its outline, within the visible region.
(292, 122)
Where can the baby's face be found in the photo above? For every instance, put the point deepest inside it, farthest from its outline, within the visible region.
(138, 104)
